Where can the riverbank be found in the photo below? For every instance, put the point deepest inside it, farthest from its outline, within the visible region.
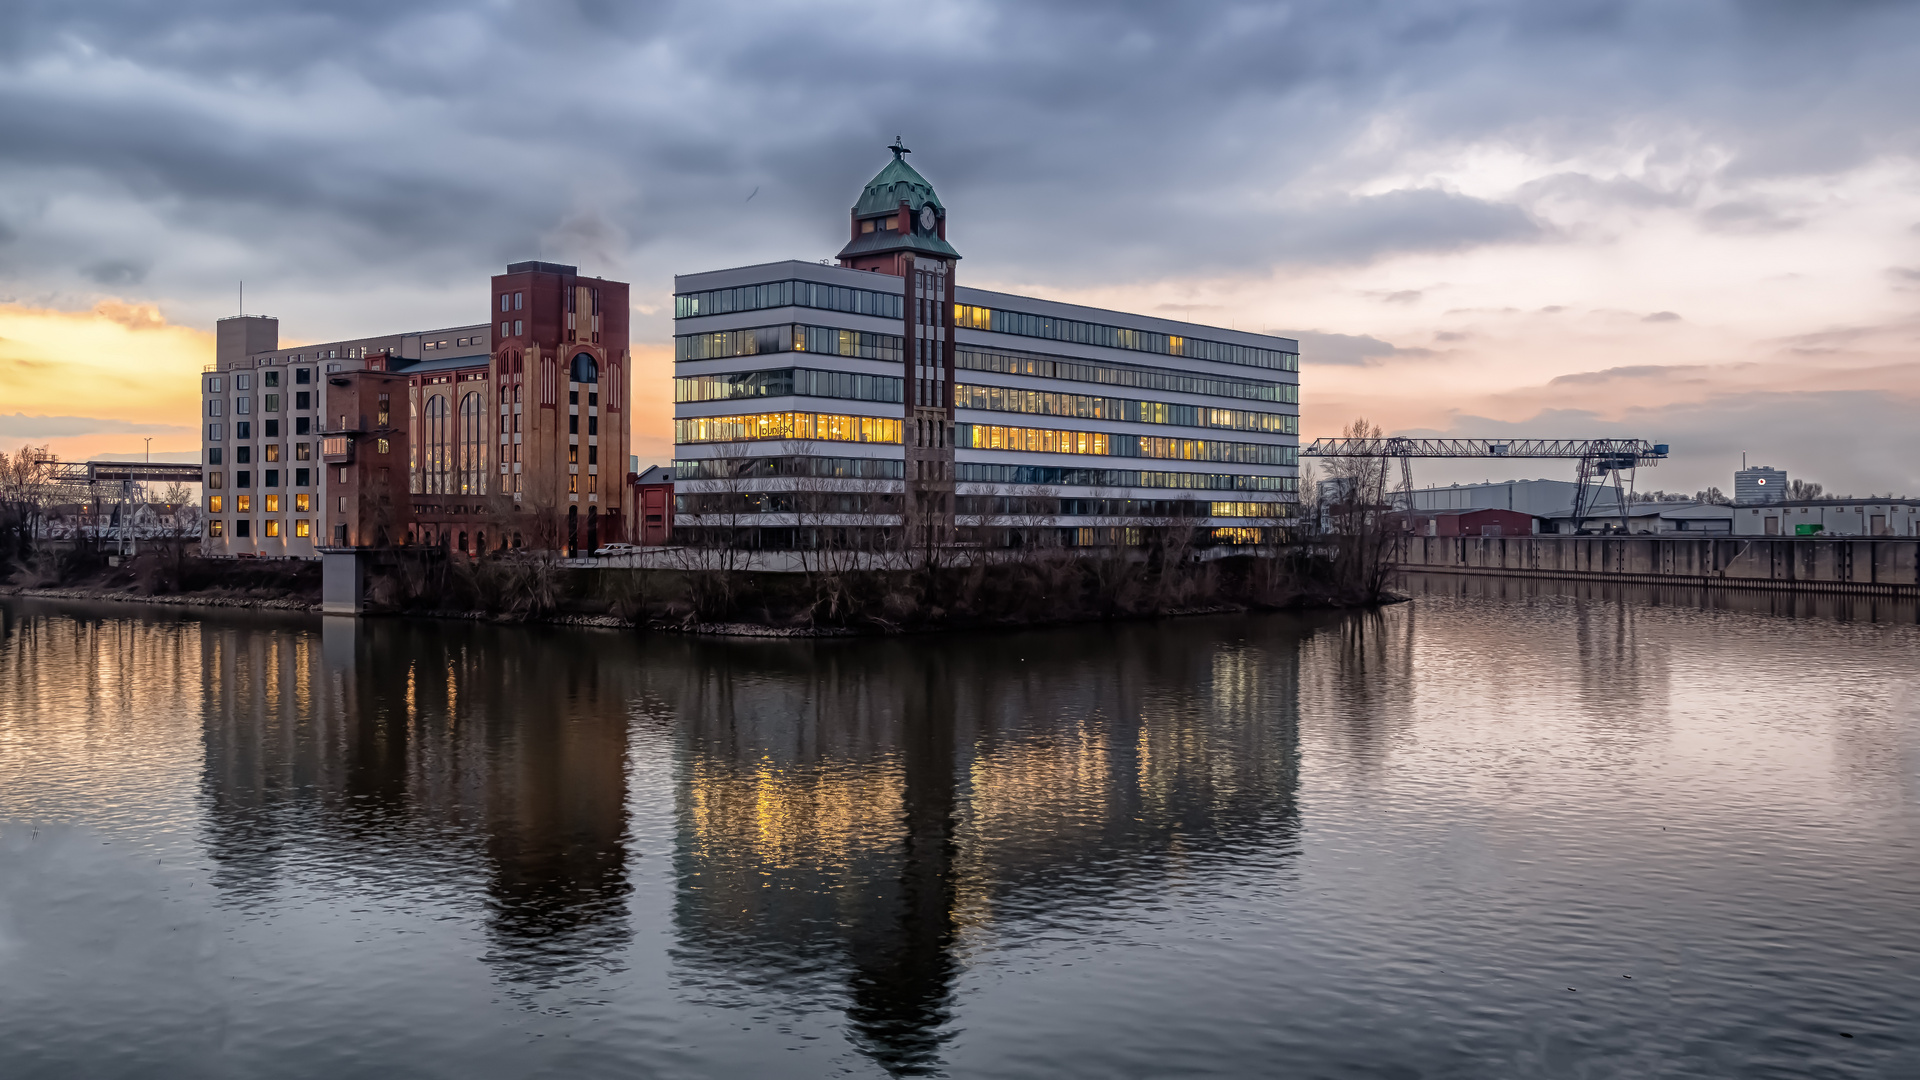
(1050, 589)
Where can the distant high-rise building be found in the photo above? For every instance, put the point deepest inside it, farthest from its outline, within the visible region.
(1759, 484)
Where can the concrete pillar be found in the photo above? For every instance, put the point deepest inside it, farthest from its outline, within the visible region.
(343, 581)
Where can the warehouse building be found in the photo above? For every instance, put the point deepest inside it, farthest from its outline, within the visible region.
(1841, 517)
(473, 438)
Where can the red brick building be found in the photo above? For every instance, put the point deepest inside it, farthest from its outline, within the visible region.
(508, 433)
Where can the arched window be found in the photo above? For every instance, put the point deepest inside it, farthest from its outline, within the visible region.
(584, 369)
(437, 441)
(472, 478)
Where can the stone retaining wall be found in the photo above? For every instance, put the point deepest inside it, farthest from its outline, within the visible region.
(1882, 566)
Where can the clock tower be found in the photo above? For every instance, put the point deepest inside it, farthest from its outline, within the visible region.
(899, 227)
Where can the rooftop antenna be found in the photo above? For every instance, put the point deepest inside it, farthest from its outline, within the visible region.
(243, 297)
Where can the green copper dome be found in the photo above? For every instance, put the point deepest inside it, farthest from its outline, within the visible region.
(880, 201)
(897, 181)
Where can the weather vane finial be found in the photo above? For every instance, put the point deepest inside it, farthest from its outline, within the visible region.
(899, 148)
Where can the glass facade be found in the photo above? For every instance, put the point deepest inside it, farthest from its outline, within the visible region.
(1128, 375)
(1056, 476)
(773, 294)
(775, 339)
(1085, 406)
(1047, 441)
(802, 382)
(787, 425)
(1119, 337)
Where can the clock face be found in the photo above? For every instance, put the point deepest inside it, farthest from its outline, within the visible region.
(926, 219)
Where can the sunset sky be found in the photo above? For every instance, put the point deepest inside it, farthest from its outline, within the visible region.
(1694, 222)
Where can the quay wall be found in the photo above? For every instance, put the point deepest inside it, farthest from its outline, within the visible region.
(1884, 566)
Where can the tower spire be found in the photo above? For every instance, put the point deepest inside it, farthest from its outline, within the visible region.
(899, 149)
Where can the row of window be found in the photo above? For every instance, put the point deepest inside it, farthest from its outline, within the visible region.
(1142, 378)
(787, 425)
(1055, 476)
(774, 294)
(243, 478)
(243, 504)
(804, 382)
(832, 468)
(886, 388)
(774, 339)
(243, 380)
(269, 403)
(439, 464)
(1119, 337)
(1100, 444)
(1049, 506)
(269, 429)
(787, 502)
(1086, 406)
(243, 455)
(823, 426)
(270, 527)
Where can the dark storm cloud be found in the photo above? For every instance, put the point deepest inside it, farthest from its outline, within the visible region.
(403, 149)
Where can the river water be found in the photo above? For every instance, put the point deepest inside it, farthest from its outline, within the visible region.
(1508, 829)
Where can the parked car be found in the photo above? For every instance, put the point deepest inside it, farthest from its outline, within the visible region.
(614, 549)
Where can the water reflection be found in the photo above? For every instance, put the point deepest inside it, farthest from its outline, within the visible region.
(857, 817)
(428, 760)
(273, 847)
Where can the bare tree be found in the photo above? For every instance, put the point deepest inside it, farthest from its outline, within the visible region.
(716, 548)
(1363, 542)
(26, 487)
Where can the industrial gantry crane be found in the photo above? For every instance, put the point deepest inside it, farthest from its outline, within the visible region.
(1597, 459)
(88, 481)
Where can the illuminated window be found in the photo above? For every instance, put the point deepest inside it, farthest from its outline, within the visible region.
(302, 504)
(471, 471)
(273, 527)
(213, 504)
(303, 527)
(271, 452)
(875, 429)
(437, 444)
(216, 528)
(573, 483)
(273, 505)
(381, 446)
(243, 503)
(593, 483)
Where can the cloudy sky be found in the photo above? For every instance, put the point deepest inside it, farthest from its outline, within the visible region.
(1697, 222)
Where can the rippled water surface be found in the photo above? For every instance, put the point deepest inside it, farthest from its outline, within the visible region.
(1504, 830)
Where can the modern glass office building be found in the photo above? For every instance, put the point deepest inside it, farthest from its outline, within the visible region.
(877, 403)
